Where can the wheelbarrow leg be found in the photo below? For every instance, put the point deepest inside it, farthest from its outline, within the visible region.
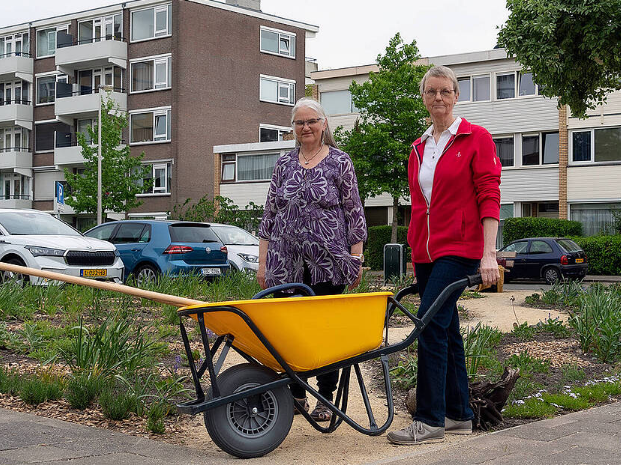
(200, 395)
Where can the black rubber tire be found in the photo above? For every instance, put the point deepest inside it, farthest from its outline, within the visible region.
(243, 434)
(551, 275)
(145, 274)
(7, 276)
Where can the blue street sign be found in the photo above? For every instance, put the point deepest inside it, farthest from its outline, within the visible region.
(60, 193)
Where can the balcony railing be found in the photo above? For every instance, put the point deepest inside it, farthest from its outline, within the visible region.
(67, 40)
(67, 90)
(15, 54)
(15, 102)
(15, 149)
(70, 139)
(15, 197)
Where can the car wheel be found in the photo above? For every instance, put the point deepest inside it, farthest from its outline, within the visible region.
(17, 278)
(551, 275)
(146, 275)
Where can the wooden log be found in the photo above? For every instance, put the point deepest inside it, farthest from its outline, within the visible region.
(104, 285)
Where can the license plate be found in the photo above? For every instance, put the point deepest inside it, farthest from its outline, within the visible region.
(579, 260)
(210, 271)
(98, 273)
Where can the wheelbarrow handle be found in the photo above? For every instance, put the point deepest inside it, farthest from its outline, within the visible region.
(474, 280)
(303, 288)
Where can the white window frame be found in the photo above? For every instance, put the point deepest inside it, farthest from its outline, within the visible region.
(280, 83)
(223, 163)
(155, 112)
(591, 159)
(58, 77)
(157, 34)
(159, 164)
(517, 85)
(512, 73)
(56, 29)
(282, 130)
(469, 78)
(508, 136)
(281, 35)
(491, 91)
(157, 59)
(102, 20)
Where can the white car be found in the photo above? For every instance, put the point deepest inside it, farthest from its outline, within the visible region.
(36, 239)
(243, 247)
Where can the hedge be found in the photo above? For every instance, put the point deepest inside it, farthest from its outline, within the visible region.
(378, 237)
(519, 228)
(603, 253)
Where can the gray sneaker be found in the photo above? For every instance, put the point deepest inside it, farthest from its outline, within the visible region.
(417, 433)
(457, 427)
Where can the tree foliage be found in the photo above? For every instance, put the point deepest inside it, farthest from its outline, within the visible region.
(122, 176)
(219, 210)
(572, 47)
(392, 116)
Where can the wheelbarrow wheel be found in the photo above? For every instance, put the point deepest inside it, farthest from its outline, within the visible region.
(253, 426)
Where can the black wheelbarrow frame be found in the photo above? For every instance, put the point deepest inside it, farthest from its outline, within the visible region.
(252, 395)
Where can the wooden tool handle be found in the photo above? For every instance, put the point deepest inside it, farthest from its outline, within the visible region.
(105, 285)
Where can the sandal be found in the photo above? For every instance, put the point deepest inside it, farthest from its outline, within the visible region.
(304, 403)
(321, 412)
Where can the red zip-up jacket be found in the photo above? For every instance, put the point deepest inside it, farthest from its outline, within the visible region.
(466, 189)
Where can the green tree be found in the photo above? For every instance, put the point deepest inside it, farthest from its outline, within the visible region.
(122, 176)
(392, 116)
(572, 47)
(219, 210)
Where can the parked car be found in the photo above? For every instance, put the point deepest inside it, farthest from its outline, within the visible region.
(150, 248)
(36, 239)
(243, 247)
(548, 258)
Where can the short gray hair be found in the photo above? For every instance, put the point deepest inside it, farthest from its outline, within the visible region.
(443, 72)
(309, 102)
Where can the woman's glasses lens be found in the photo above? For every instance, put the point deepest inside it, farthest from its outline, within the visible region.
(300, 122)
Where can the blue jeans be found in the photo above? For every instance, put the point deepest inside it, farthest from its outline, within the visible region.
(442, 380)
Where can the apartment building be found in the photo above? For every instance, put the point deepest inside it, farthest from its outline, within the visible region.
(190, 73)
(553, 165)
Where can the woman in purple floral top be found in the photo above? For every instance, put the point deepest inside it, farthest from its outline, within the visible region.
(313, 227)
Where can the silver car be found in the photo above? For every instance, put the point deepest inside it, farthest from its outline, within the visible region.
(36, 239)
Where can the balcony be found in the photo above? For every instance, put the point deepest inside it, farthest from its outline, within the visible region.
(16, 65)
(73, 101)
(93, 53)
(15, 201)
(12, 158)
(16, 113)
(67, 151)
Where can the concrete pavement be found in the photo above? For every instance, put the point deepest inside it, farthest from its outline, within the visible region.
(588, 437)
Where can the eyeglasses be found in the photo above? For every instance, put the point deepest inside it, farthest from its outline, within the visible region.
(445, 93)
(311, 122)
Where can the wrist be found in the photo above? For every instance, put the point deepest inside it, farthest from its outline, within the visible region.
(359, 256)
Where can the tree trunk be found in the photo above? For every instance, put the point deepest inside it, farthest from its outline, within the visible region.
(395, 212)
(487, 399)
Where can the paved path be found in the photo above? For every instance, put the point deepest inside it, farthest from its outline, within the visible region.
(587, 437)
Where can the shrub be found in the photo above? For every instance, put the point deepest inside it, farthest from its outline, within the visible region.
(603, 253)
(519, 228)
(35, 390)
(117, 405)
(478, 345)
(82, 389)
(155, 417)
(9, 382)
(378, 237)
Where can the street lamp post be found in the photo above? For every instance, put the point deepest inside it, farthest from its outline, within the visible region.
(99, 202)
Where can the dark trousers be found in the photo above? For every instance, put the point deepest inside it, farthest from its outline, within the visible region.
(442, 380)
(327, 382)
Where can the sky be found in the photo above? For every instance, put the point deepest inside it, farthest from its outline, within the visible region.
(351, 32)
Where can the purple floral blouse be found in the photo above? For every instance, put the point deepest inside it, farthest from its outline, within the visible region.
(313, 217)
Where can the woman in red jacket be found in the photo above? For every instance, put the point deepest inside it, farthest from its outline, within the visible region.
(454, 177)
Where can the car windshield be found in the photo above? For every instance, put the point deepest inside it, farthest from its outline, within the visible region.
(192, 232)
(27, 223)
(568, 245)
(232, 235)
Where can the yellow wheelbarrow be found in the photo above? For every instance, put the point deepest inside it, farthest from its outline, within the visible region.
(248, 409)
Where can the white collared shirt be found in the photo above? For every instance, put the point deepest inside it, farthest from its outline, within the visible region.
(431, 155)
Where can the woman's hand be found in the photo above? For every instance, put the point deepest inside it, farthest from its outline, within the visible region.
(489, 269)
(263, 245)
(261, 276)
(356, 283)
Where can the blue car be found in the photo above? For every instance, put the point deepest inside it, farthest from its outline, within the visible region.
(150, 248)
(549, 258)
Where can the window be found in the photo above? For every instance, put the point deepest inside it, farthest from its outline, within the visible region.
(152, 74)
(505, 150)
(151, 23)
(517, 247)
(256, 167)
(338, 102)
(505, 86)
(277, 90)
(550, 147)
(161, 174)
(480, 85)
(464, 89)
(530, 150)
(228, 168)
(526, 84)
(14, 139)
(44, 135)
(14, 92)
(105, 28)
(83, 126)
(46, 89)
(150, 126)
(277, 42)
(15, 45)
(596, 218)
(539, 247)
(608, 144)
(46, 40)
(272, 133)
(581, 146)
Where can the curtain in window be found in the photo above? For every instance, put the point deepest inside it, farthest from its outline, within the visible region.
(256, 167)
(142, 127)
(142, 76)
(595, 218)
